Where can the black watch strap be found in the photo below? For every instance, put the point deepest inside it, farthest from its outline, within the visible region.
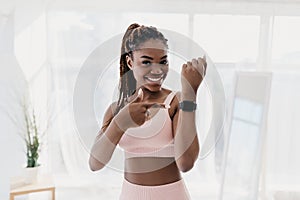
(189, 106)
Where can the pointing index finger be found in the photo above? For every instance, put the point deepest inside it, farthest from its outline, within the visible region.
(156, 105)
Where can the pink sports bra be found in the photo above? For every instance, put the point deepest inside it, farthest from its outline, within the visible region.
(152, 139)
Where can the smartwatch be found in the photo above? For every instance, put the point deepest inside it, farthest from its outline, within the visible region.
(188, 106)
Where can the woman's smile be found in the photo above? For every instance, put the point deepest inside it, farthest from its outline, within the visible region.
(157, 79)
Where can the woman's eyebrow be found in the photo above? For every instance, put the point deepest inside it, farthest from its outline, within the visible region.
(150, 58)
(164, 57)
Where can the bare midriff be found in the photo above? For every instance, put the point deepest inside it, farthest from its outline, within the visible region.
(151, 171)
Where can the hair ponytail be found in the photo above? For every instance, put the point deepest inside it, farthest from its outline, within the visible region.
(127, 83)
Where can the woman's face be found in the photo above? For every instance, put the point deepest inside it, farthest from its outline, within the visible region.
(149, 65)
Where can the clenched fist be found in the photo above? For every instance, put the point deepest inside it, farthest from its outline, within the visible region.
(192, 74)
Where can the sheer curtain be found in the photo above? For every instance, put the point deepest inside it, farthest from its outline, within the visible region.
(19, 78)
(63, 71)
(71, 145)
(12, 87)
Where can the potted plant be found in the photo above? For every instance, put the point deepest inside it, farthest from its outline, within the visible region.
(32, 140)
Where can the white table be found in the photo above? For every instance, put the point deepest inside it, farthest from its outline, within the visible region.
(44, 183)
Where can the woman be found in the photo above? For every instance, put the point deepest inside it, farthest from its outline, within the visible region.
(156, 130)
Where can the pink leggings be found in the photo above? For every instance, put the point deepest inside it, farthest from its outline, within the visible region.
(171, 191)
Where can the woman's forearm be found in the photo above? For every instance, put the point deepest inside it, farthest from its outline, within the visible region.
(104, 146)
(186, 140)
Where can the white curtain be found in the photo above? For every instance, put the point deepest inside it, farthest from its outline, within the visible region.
(12, 86)
(67, 56)
(70, 150)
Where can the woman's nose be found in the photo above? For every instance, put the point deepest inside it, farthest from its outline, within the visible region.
(156, 69)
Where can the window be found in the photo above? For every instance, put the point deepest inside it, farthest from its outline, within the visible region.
(286, 40)
(228, 38)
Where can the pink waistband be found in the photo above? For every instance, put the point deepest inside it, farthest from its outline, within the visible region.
(172, 191)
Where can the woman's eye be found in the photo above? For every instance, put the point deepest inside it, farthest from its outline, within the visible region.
(146, 62)
(164, 62)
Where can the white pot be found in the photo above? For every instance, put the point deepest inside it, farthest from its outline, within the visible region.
(30, 174)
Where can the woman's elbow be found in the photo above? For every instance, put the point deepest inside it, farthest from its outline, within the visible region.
(185, 164)
(94, 164)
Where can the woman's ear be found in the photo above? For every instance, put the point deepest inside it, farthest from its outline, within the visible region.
(129, 61)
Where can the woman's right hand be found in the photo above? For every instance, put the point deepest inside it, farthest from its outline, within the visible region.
(135, 113)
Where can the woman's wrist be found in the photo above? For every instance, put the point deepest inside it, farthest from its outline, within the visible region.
(188, 95)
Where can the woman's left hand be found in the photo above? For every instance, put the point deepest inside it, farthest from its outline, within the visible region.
(192, 74)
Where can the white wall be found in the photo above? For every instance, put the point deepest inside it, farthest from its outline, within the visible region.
(12, 87)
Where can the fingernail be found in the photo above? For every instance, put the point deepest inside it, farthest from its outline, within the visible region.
(165, 106)
(140, 92)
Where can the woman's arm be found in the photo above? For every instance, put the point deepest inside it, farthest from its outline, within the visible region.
(185, 136)
(131, 115)
(184, 125)
(105, 142)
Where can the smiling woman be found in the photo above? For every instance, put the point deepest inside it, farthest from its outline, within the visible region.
(156, 130)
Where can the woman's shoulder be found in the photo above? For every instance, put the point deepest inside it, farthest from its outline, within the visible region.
(169, 91)
(108, 115)
(111, 109)
(176, 95)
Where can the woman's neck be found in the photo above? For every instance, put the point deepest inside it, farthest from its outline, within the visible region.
(147, 94)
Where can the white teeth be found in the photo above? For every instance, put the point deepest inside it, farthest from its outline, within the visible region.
(154, 79)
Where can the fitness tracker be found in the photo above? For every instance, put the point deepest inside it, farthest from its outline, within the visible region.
(189, 106)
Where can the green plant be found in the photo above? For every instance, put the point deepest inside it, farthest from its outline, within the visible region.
(31, 138)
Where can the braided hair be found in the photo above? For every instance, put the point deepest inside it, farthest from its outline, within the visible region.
(134, 36)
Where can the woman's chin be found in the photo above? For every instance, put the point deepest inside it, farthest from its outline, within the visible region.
(153, 87)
